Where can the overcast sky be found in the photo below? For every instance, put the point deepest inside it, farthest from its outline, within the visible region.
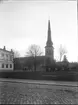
(23, 23)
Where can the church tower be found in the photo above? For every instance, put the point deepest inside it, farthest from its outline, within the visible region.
(49, 50)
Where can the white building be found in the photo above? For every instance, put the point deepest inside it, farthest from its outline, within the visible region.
(6, 59)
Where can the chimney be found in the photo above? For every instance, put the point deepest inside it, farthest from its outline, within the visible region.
(4, 48)
(12, 51)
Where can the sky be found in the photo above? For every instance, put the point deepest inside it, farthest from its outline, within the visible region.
(23, 23)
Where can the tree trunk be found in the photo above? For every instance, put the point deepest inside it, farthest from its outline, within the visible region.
(35, 63)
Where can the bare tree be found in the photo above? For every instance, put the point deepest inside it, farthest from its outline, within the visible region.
(34, 51)
(62, 52)
(16, 54)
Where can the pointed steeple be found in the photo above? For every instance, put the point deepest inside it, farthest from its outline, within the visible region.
(49, 42)
(49, 25)
(49, 49)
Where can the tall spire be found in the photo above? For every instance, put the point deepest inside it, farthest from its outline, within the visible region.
(49, 42)
(49, 25)
(49, 49)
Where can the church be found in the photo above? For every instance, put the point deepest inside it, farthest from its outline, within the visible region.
(22, 62)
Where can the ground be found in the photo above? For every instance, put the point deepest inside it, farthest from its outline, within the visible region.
(12, 92)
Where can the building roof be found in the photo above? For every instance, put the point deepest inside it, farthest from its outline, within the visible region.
(6, 50)
(26, 59)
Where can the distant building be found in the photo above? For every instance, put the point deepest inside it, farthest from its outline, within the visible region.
(6, 59)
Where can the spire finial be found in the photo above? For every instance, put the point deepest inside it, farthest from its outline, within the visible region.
(49, 18)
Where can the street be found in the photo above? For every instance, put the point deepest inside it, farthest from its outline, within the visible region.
(33, 92)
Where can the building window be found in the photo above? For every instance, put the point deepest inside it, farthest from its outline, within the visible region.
(47, 52)
(10, 58)
(2, 54)
(10, 65)
(2, 65)
(7, 55)
(6, 65)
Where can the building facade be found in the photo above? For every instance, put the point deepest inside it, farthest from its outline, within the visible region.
(49, 49)
(6, 59)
